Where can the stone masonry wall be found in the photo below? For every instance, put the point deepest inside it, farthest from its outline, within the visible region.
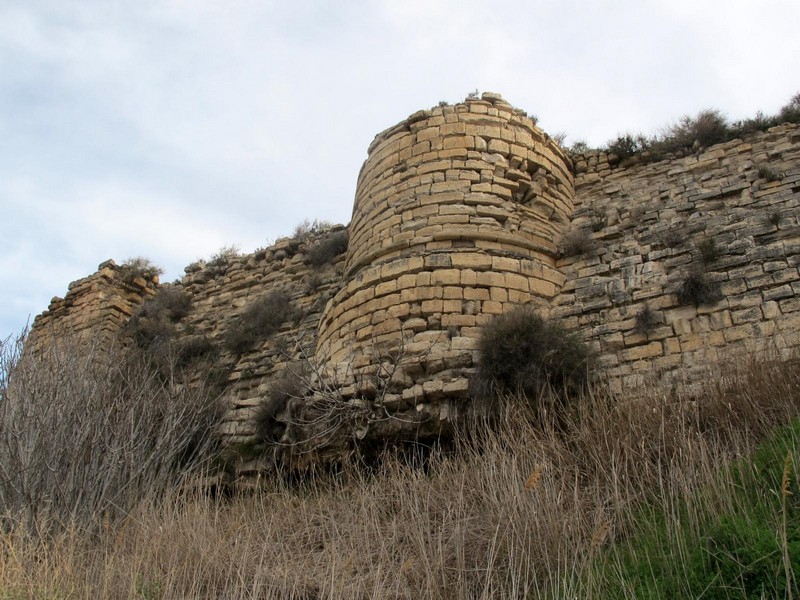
(460, 213)
(651, 223)
(457, 213)
(94, 309)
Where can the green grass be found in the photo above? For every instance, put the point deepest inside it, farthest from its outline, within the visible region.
(739, 537)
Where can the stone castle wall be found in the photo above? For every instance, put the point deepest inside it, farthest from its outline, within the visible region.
(94, 308)
(457, 214)
(462, 212)
(651, 225)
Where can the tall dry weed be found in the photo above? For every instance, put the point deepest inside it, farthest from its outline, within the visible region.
(520, 509)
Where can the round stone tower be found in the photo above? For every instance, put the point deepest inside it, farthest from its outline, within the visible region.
(456, 217)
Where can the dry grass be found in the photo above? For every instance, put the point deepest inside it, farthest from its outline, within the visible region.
(515, 511)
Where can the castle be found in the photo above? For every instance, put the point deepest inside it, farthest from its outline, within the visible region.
(462, 212)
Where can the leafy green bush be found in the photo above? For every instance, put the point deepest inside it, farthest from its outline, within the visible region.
(259, 321)
(520, 352)
(329, 247)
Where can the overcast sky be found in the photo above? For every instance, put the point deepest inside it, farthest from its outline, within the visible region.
(171, 128)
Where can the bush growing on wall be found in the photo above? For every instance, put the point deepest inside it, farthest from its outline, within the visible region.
(328, 248)
(259, 321)
(153, 323)
(696, 288)
(139, 266)
(520, 352)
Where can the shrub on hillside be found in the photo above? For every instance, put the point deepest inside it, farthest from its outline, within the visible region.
(522, 353)
(259, 321)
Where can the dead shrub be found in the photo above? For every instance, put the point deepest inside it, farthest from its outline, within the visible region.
(88, 432)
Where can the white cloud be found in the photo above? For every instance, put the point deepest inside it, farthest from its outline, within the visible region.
(170, 127)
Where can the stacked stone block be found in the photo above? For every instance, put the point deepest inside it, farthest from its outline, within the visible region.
(457, 216)
(744, 197)
(94, 309)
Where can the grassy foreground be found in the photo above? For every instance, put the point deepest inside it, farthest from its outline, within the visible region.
(661, 494)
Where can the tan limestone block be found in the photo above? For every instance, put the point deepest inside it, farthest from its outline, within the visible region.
(428, 133)
(452, 292)
(386, 287)
(476, 294)
(545, 289)
(498, 294)
(432, 306)
(388, 326)
(446, 277)
(471, 260)
(642, 352)
(460, 141)
(453, 153)
(517, 282)
(502, 191)
(468, 277)
(458, 320)
(451, 306)
(500, 146)
(518, 297)
(490, 279)
(491, 307)
(408, 280)
(420, 148)
(398, 311)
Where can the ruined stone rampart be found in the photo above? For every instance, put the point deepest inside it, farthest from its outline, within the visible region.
(729, 212)
(457, 216)
(94, 308)
(462, 212)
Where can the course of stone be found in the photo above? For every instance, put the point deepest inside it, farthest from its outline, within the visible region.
(462, 212)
